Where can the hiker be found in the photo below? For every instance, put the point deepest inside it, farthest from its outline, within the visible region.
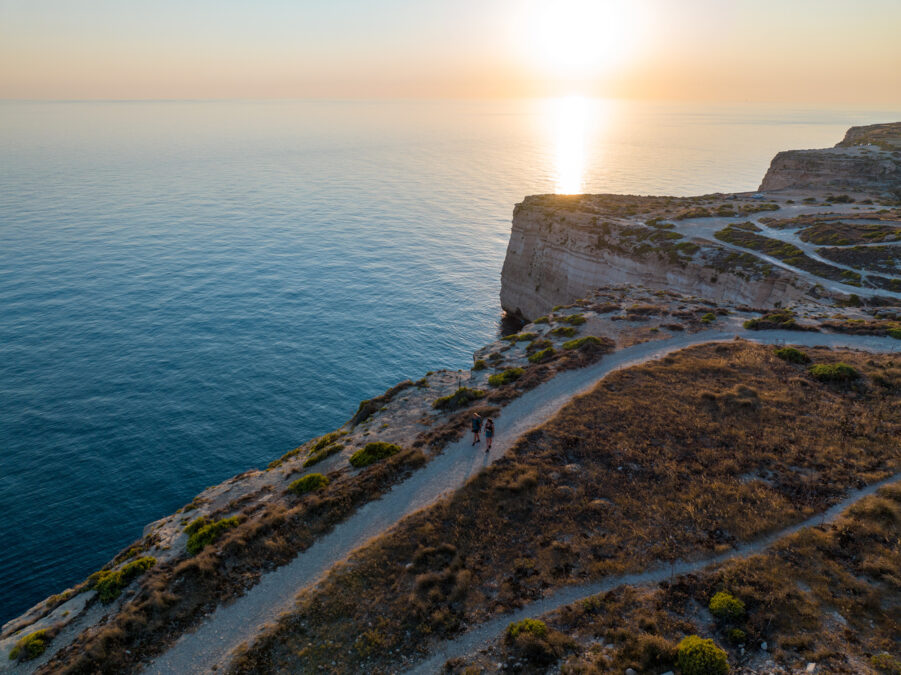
(476, 428)
(489, 433)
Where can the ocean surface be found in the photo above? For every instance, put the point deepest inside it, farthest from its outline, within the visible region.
(189, 289)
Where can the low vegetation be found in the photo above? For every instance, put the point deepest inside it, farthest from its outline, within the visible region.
(834, 372)
(309, 483)
(580, 343)
(373, 452)
(699, 656)
(779, 320)
(792, 355)
(209, 533)
(520, 337)
(542, 356)
(109, 583)
(564, 331)
(459, 399)
(505, 377)
(31, 646)
(590, 494)
(321, 454)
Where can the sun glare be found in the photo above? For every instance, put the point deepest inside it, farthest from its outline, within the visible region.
(581, 38)
(570, 122)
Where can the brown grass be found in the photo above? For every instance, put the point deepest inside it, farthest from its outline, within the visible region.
(174, 596)
(828, 595)
(673, 459)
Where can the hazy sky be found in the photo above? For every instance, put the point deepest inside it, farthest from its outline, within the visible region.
(830, 51)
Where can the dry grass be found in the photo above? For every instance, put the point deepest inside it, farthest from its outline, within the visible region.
(829, 595)
(174, 596)
(673, 459)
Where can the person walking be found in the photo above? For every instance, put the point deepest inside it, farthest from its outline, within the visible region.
(476, 428)
(489, 433)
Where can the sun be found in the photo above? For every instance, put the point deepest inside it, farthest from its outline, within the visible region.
(581, 38)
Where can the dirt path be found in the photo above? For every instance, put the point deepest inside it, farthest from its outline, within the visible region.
(229, 626)
(482, 634)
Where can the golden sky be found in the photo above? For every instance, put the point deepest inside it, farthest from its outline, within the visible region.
(828, 51)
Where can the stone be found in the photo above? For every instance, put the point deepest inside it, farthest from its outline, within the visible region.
(631, 671)
(811, 668)
(763, 646)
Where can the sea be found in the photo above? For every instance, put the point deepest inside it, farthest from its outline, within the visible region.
(188, 289)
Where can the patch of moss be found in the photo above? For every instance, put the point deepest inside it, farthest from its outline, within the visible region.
(209, 534)
(308, 483)
(480, 365)
(520, 337)
(322, 454)
(709, 317)
(574, 319)
(373, 452)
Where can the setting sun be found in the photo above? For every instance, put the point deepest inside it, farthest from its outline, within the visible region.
(582, 38)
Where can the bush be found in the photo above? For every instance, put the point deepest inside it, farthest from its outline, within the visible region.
(509, 375)
(698, 656)
(895, 333)
(308, 483)
(480, 365)
(459, 399)
(373, 452)
(578, 343)
(573, 319)
(30, 647)
(538, 345)
(109, 583)
(520, 337)
(833, 372)
(209, 534)
(318, 456)
(884, 663)
(726, 606)
(565, 331)
(737, 636)
(709, 317)
(542, 356)
(196, 524)
(792, 355)
(541, 319)
(534, 627)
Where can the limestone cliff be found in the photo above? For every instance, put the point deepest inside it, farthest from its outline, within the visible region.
(868, 159)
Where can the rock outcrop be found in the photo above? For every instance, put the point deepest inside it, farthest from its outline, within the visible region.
(867, 160)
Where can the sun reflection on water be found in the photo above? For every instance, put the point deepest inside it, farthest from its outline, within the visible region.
(570, 119)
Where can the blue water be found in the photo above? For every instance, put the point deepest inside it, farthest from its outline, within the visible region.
(188, 290)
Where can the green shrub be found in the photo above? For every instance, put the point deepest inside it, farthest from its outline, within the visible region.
(509, 375)
(709, 317)
(308, 483)
(109, 583)
(884, 663)
(537, 345)
(520, 337)
(833, 372)
(782, 319)
(698, 656)
(573, 319)
(480, 365)
(196, 524)
(895, 333)
(322, 454)
(792, 355)
(578, 343)
(726, 606)
(209, 534)
(534, 627)
(459, 399)
(541, 319)
(565, 331)
(373, 452)
(543, 355)
(30, 647)
(737, 636)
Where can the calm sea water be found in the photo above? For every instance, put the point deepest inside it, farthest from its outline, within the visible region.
(188, 290)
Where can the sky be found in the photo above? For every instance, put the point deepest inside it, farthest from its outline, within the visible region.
(810, 51)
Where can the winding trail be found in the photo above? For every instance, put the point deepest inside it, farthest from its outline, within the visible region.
(481, 635)
(210, 646)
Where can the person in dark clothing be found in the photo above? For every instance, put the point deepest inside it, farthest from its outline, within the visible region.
(476, 428)
(489, 433)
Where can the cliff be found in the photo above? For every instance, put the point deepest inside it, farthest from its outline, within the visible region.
(868, 159)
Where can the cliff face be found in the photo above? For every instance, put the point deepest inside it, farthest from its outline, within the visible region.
(868, 159)
(555, 259)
